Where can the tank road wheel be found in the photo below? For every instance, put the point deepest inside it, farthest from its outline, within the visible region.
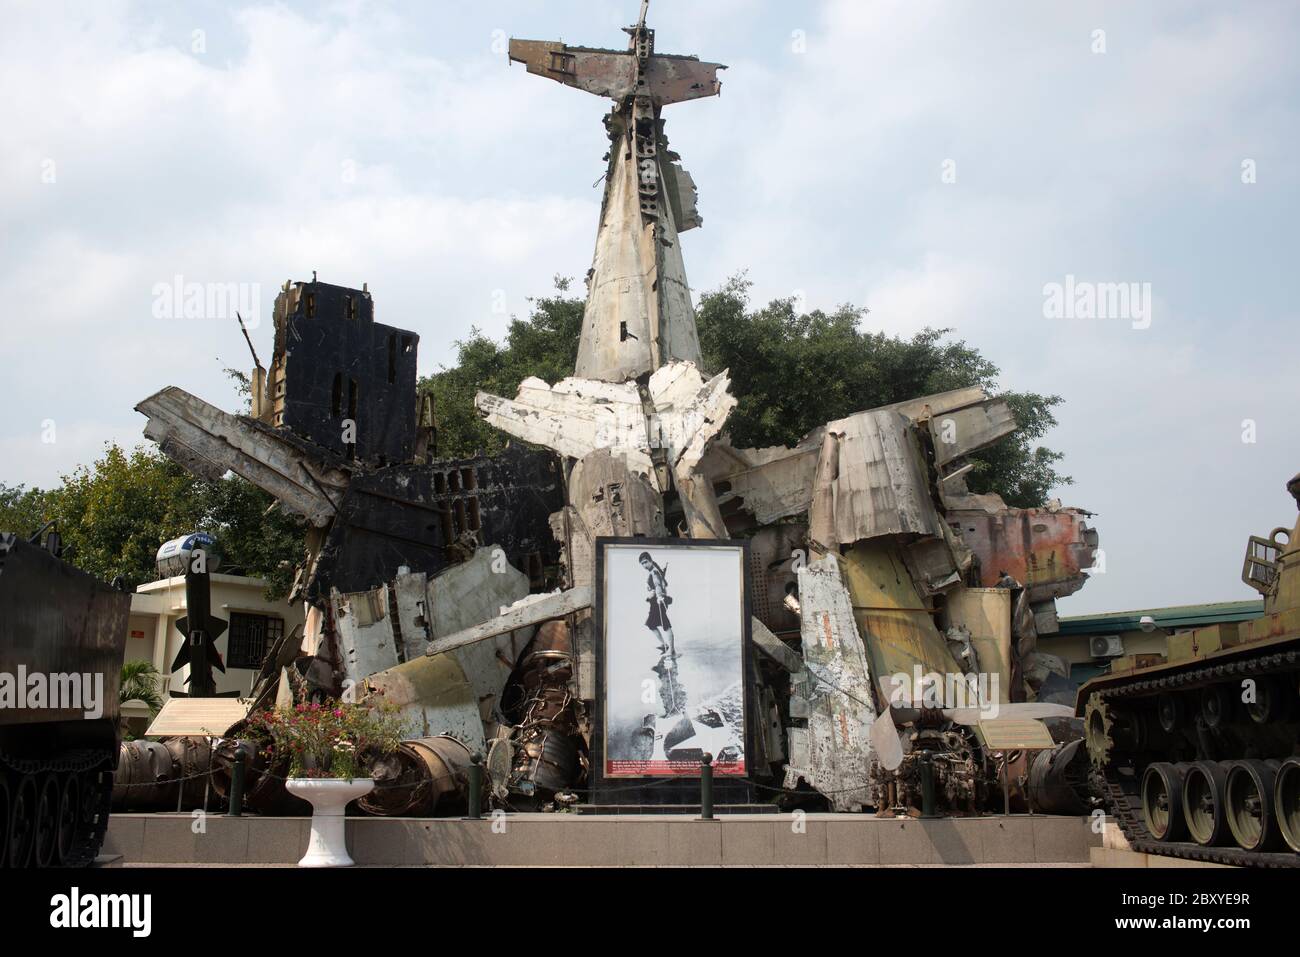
(1286, 801)
(1248, 801)
(69, 818)
(1097, 725)
(1162, 801)
(1204, 783)
(47, 821)
(5, 807)
(22, 821)
(1270, 701)
(1170, 712)
(1216, 706)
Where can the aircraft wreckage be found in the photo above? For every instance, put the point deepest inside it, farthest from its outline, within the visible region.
(427, 580)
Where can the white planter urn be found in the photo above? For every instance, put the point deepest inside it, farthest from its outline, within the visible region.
(328, 798)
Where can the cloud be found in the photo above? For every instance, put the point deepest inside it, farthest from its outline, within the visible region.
(391, 145)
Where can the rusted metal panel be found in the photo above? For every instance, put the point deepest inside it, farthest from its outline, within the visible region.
(531, 611)
(365, 631)
(775, 649)
(623, 331)
(674, 79)
(1046, 621)
(896, 624)
(210, 443)
(613, 73)
(779, 483)
(961, 431)
(871, 482)
(985, 615)
(682, 196)
(433, 698)
(775, 553)
(472, 592)
(574, 417)
(609, 499)
(688, 411)
(834, 691)
(773, 483)
(1044, 549)
(678, 419)
(638, 314)
(410, 597)
(940, 403)
(610, 73)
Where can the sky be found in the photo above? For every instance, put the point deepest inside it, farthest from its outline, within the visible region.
(941, 163)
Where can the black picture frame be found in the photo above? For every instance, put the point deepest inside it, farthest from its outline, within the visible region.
(678, 788)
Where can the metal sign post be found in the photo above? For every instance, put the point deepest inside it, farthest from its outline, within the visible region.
(1014, 734)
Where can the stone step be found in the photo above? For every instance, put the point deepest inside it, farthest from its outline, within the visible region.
(614, 840)
(1116, 857)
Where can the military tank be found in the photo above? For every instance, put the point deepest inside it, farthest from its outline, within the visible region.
(62, 640)
(1195, 751)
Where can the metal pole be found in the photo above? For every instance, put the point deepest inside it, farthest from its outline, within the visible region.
(237, 771)
(706, 787)
(1006, 786)
(475, 787)
(1029, 799)
(927, 785)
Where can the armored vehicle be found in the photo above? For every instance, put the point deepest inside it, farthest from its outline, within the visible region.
(62, 640)
(1195, 751)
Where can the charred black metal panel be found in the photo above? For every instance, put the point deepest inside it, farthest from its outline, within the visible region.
(339, 365)
(418, 515)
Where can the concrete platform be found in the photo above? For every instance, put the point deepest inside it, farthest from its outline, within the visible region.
(622, 840)
(1114, 857)
(1115, 851)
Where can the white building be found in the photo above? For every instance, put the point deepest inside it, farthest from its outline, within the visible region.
(252, 626)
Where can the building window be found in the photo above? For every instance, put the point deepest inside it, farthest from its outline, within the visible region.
(251, 637)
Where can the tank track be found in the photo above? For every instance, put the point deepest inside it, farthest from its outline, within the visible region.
(94, 769)
(1122, 791)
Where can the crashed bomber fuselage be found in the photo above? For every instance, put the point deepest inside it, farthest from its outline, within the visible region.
(879, 490)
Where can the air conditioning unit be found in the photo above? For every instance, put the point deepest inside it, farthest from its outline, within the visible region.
(1106, 646)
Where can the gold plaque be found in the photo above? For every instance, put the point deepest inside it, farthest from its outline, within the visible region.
(1016, 734)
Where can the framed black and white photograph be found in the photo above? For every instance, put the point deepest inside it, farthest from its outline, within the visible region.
(672, 653)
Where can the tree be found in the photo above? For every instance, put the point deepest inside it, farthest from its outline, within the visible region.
(256, 538)
(790, 373)
(117, 511)
(22, 509)
(140, 682)
(543, 345)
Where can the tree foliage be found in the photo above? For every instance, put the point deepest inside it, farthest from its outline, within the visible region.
(142, 682)
(115, 512)
(544, 345)
(790, 371)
